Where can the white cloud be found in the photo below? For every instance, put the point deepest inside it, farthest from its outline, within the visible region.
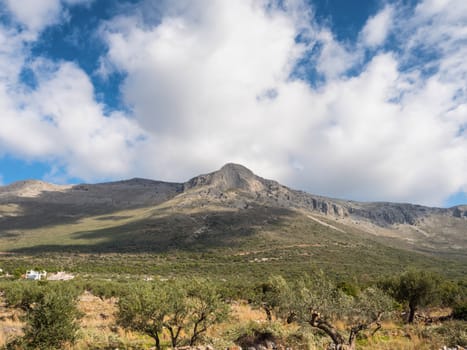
(378, 135)
(196, 88)
(335, 59)
(35, 15)
(377, 27)
(446, 9)
(60, 121)
(12, 53)
(78, 2)
(211, 82)
(89, 139)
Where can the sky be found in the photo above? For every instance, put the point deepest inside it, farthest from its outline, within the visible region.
(363, 100)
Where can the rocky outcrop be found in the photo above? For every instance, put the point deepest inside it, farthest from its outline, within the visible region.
(459, 211)
(388, 213)
(238, 187)
(245, 189)
(230, 176)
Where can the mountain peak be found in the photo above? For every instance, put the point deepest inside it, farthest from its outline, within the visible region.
(230, 176)
(238, 169)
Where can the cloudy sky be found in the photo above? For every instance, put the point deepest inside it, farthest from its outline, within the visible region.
(365, 99)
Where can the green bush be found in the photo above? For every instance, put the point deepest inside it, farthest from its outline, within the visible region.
(453, 333)
(459, 312)
(52, 321)
(106, 289)
(21, 294)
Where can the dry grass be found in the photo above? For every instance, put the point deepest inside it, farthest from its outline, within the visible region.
(98, 313)
(242, 312)
(97, 326)
(11, 325)
(98, 330)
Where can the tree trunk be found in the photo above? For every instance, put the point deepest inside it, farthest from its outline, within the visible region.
(155, 335)
(174, 335)
(196, 334)
(291, 318)
(327, 328)
(158, 341)
(361, 327)
(353, 335)
(411, 313)
(196, 331)
(268, 313)
(337, 338)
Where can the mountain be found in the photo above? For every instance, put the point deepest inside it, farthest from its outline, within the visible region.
(228, 208)
(440, 230)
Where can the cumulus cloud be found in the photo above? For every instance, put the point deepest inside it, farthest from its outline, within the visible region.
(378, 27)
(59, 120)
(11, 55)
(212, 82)
(212, 86)
(36, 15)
(335, 59)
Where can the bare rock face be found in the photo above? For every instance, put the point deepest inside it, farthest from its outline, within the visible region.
(460, 211)
(235, 186)
(238, 187)
(384, 214)
(230, 176)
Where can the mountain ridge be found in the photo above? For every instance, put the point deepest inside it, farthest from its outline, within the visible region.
(35, 204)
(234, 176)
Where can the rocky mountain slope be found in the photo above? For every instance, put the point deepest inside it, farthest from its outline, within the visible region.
(36, 205)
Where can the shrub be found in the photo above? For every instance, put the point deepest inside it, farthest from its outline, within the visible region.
(451, 334)
(52, 321)
(459, 312)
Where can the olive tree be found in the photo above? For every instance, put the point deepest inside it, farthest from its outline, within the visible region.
(21, 294)
(194, 306)
(143, 309)
(318, 302)
(106, 289)
(415, 288)
(52, 321)
(178, 313)
(270, 295)
(186, 308)
(205, 306)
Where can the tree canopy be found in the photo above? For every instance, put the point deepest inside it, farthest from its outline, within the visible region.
(181, 307)
(415, 288)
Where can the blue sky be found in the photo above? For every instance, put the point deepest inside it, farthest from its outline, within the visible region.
(365, 100)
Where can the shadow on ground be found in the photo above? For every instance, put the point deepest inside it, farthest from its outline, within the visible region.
(194, 232)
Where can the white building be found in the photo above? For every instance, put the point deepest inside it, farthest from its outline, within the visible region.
(35, 275)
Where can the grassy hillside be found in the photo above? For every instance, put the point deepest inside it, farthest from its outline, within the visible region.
(212, 240)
